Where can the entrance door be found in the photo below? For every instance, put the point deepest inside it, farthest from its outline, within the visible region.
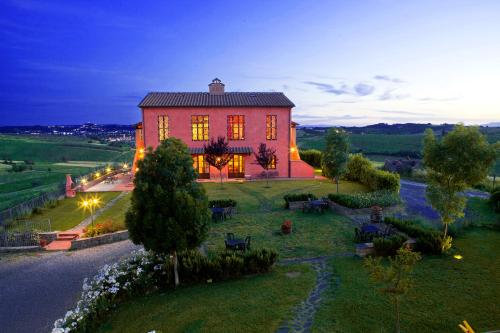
(200, 165)
(236, 166)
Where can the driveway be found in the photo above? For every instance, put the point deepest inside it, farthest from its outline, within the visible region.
(37, 289)
(413, 194)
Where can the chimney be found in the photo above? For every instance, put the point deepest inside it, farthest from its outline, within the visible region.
(216, 87)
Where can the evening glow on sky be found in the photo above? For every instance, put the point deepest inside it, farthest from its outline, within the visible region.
(340, 62)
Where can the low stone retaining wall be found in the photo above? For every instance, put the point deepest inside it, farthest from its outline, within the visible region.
(296, 205)
(48, 236)
(83, 243)
(20, 249)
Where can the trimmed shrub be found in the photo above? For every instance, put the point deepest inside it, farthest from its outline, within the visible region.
(495, 201)
(388, 246)
(366, 200)
(298, 197)
(222, 203)
(359, 169)
(312, 157)
(428, 241)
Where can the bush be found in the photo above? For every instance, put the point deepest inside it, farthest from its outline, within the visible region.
(495, 201)
(298, 197)
(18, 167)
(222, 203)
(366, 200)
(144, 272)
(106, 227)
(312, 157)
(428, 241)
(388, 246)
(359, 169)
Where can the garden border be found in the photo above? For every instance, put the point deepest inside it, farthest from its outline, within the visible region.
(83, 243)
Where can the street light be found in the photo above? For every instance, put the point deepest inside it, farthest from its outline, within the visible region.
(108, 170)
(90, 204)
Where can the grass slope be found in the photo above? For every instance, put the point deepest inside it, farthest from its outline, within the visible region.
(446, 291)
(116, 213)
(252, 304)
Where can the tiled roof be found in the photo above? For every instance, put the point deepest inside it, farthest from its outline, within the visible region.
(232, 150)
(202, 99)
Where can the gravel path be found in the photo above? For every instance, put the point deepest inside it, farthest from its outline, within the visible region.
(35, 290)
(413, 194)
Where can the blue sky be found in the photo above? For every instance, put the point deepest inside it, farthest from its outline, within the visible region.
(341, 62)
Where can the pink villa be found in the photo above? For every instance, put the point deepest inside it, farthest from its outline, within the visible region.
(246, 119)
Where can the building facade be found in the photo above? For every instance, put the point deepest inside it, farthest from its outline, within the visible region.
(245, 119)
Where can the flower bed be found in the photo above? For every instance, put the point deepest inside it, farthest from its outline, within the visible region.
(366, 200)
(145, 272)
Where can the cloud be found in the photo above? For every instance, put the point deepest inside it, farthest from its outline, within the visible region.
(343, 90)
(434, 99)
(409, 113)
(314, 117)
(388, 78)
(363, 89)
(388, 95)
(360, 89)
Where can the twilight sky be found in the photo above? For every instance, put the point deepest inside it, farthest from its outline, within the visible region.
(341, 62)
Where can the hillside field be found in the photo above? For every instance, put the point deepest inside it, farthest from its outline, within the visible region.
(53, 158)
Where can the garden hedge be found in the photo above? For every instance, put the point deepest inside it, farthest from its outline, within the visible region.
(222, 203)
(428, 241)
(360, 169)
(365, 200)
(298, 197)
(312, 157)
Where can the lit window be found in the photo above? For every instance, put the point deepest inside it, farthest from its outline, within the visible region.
(201, 166)
(162, 127)
(272, 165)
(236, 127)
(199, 127)
(271, 127)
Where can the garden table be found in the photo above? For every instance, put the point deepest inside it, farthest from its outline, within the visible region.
(319, 205)
(370, 229)
(235, 243)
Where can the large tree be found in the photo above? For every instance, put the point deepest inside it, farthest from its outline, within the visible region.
(169, 209)
(266, 158)
(394, 277)
(460, 160)
(336, 154)
(217, 154)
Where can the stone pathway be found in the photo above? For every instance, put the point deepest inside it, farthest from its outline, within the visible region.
(304, 313)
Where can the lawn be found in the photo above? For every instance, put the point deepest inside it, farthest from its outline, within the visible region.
(252, 304)
(260, 213)
(67, 214)
(116, 213)
(446, 291)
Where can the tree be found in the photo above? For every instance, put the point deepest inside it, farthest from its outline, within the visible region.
(460, 160)
(336, 154)
(169, 209)
(217, 154)
(266, 158)
(395, 277)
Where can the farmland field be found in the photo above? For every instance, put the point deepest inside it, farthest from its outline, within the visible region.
(52, 158)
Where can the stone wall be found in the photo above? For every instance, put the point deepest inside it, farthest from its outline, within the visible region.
(83, 243)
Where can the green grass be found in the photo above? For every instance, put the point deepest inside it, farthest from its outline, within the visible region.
(446, 291)
(49, 170)
(54, 149)
(252, 304)
(260, 213)
(116, 213)
(67, 213)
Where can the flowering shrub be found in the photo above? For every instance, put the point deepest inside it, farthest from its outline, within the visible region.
(364, 200)
(144, 272)
(100, 229)
(286, 227)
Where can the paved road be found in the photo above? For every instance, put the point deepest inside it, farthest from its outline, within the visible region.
(35, 290)
(413, 194)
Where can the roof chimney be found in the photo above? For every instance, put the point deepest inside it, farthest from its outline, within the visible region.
(216, 87)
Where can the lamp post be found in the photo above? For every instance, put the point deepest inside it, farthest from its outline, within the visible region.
(90, 204)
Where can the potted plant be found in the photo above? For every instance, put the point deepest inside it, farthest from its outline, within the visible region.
(286, 227)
